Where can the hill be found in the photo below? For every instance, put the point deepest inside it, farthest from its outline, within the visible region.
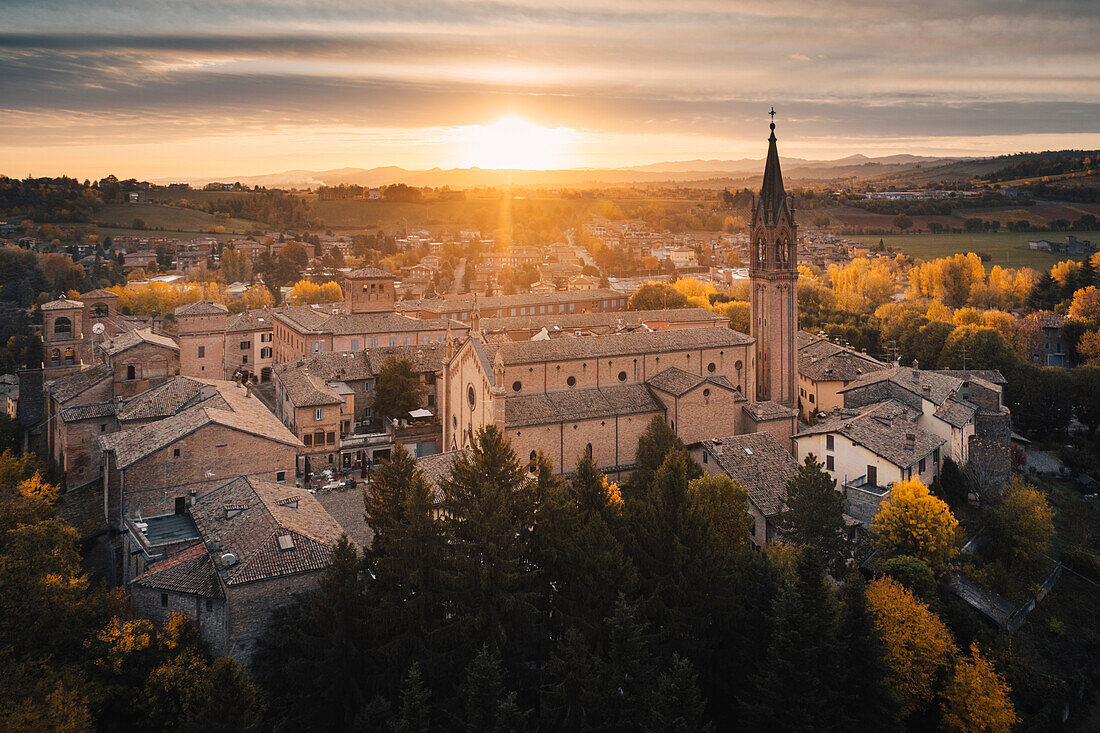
(690, 171)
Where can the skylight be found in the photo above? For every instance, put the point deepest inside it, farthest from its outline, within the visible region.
(285, 542)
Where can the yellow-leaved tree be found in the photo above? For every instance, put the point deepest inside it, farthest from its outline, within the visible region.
(258, 296)
(913, 522)
(977, 698)
(916, 644)
(306, 292)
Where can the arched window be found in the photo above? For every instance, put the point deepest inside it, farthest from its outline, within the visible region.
(62, 327)
(588, 449)
(131, 372)
(70, 356)
(99, 310)
(534, 455)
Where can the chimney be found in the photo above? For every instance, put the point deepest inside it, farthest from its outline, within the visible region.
(910, 441)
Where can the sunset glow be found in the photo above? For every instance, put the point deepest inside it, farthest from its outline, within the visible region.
(513, 142)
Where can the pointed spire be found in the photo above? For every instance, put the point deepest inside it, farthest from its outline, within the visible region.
(772, 194)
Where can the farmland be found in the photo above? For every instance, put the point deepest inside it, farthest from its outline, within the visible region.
(1005, 249)
(169, 219)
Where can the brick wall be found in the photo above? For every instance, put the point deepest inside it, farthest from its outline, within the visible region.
(152, 484)
(250, 607)
(212, 621)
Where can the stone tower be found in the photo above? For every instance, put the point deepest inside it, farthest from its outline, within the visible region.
(773, 275)
(202, 339)
(369, 290)
(62, 337)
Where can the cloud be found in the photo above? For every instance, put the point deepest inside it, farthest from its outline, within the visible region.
(859, 72)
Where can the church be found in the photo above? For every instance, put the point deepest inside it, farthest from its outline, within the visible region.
(599, 392)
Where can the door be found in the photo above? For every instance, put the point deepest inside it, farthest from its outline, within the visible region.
(872, 475)
(181, 505)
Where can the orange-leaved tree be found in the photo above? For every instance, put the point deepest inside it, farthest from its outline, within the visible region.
(914, 522)
(916, 644)
(977, 698)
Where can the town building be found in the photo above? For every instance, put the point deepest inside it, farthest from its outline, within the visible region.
(162, 466)
(461, 307)
(761, 465)
(237, 554)
(561, 395)
(773, 276)
(525, 328)
(824, 368)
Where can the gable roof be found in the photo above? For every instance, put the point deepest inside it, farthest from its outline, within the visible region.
(99, 293)
(188, 571)
(129, 339)
(62, 304)
(235, 411)
(367, 272)
(590, 347)
(612, 320)
(72, 385)
(882, 428)
(759, 463)
(940, 384)
(677, 382)
(201, 308)
(169, 398)
(768, 410)
(821, 360)
(246, 518)
(257, 319)
(579, 404)
(88, 412)
(308, 319)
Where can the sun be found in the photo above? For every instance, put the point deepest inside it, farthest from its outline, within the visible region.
(513, 142)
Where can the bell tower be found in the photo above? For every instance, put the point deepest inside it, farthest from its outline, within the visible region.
(773, 277)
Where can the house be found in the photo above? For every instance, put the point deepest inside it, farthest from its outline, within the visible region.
(251, 545)
(869, 449)
(163, 466)
(824, 368)
(1050, 349)
(761, 465)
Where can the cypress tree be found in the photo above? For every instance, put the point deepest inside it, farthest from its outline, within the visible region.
(654, 446)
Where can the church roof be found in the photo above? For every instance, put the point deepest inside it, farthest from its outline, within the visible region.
(772, 195)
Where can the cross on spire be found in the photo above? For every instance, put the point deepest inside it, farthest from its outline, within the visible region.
(772, 113)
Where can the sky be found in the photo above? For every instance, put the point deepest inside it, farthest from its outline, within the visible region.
(190, 88)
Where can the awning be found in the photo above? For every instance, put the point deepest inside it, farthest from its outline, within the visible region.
(416, 414)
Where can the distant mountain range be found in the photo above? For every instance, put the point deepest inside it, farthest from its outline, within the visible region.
(731, 172)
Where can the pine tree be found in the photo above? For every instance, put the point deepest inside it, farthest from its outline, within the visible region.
(414, 712)
(486, 704)
(677, 706)
(491, 515)
(409, 558)
(866, 702)
(578, 549)
(629, 672)
(802, 655)
(684, 570)
(314, 654)
(654, 446)
(813, 516)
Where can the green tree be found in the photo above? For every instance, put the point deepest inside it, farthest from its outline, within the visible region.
(676, 705)
(397, 389)
(802, 655)
(490, 510)
(813, 514)
(983, 348)
(487, 706)
(414, 713)
(654, 446)
(914, 574)
(725, 504)
(1086, 397)
(410, 561)
(952, 484)
(866, 701)
(656, 296)
(1021, 525)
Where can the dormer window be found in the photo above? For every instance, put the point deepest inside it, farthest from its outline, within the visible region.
(284, 542)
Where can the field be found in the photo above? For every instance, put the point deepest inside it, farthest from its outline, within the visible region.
(1005, 249)
(169, 219)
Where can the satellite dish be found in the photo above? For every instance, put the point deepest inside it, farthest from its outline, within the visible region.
(229, 559)
(98, 329)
